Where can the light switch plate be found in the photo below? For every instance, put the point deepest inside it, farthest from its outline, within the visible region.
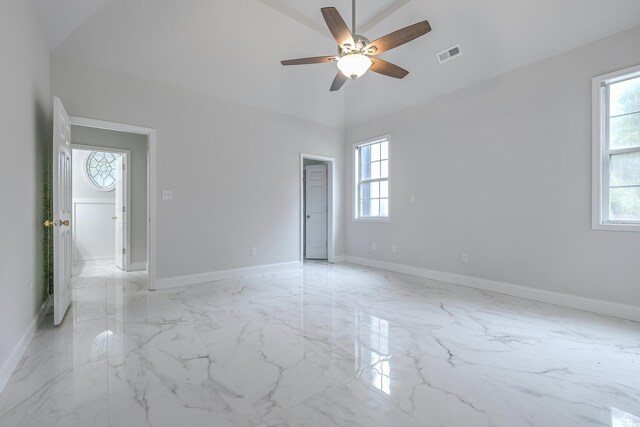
(167, 195)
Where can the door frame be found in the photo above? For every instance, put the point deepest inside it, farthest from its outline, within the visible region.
(127, 229)
(331, 214)
(152, 146)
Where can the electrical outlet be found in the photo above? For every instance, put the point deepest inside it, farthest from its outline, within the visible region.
(394, 249)
(464, 258)
(412, 198)
(167, 195)
(31, 287)
(373, 246)
(254, 251)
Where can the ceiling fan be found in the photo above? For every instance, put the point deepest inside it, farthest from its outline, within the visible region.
(356, 54)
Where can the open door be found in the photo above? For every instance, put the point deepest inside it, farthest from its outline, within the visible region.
(316, 211)
(62, 241)
(120, 213)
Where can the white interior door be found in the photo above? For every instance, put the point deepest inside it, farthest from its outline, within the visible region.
(62, 239)
(120, 213)
(316, 211)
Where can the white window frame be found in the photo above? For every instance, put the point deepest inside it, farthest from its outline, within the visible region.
(601, 151)
(356, 181)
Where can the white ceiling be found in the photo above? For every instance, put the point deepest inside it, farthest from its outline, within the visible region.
(232, 48)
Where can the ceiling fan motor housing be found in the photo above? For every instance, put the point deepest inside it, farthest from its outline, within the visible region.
(360, 43)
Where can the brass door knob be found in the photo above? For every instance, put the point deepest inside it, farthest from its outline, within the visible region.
(65, 222)
(308, 216)
(114, 217)
(49, 223)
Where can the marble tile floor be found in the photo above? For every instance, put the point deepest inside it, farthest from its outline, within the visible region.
(329, 345)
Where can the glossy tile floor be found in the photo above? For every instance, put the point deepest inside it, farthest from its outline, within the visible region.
(329, 345)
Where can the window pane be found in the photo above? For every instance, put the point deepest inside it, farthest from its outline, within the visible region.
(384, 189)
(375, 190)
(365, 191)
(384, 169)
(365, 154)
(375, 207)
(625, 204)
(364, 207)
(625, 169)
(375, 170)
(624, 131)
(624, 97)
(365, 171)
(375, 152)
(384, 207)
(384, 150)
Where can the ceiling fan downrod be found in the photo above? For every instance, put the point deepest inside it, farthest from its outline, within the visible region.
(353, 17)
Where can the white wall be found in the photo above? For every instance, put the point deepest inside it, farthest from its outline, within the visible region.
(25, 135)
(137, 145)
(502, 171)
(94, 229)
(234, 169)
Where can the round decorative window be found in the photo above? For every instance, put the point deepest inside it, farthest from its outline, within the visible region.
(101, 170)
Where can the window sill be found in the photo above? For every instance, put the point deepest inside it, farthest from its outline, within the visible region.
(616, 227)
(371, 219)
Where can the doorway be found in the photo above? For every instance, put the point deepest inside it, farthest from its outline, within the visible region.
(62, 193)
(91, 133)
(316, 208)
(100, 206)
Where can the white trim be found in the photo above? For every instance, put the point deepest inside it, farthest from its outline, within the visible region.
(138, 266)
(11, 362)
(600, 165)
(331, 206)
(152, 146)
(196, 279)
(92, 260)
(339, 259)
(608, 308)
(92, 201)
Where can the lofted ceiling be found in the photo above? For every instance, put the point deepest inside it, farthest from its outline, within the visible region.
(59, 18)
(231, 48)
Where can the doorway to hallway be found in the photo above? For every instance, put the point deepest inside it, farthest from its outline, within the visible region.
(100, 210)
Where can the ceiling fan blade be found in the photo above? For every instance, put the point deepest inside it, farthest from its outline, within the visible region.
(312, 60)
(388, 69)
(400, 37)
(337, 26)
(338, 81)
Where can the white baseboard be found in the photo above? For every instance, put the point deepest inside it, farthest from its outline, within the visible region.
(138, 266)
(608, 308)
(339, 258)
(11, 362)
(93, 260)
(195, 279)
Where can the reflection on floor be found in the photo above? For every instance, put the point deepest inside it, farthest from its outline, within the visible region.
(327, 345)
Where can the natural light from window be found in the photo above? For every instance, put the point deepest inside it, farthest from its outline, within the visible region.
(620, 418)
(373, 359)
(624, 150)
(616, 157)
(372, 179)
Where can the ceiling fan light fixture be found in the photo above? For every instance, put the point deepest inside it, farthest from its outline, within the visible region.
(354, 65)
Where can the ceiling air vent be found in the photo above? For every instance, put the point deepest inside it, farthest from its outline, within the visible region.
(449, 54)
